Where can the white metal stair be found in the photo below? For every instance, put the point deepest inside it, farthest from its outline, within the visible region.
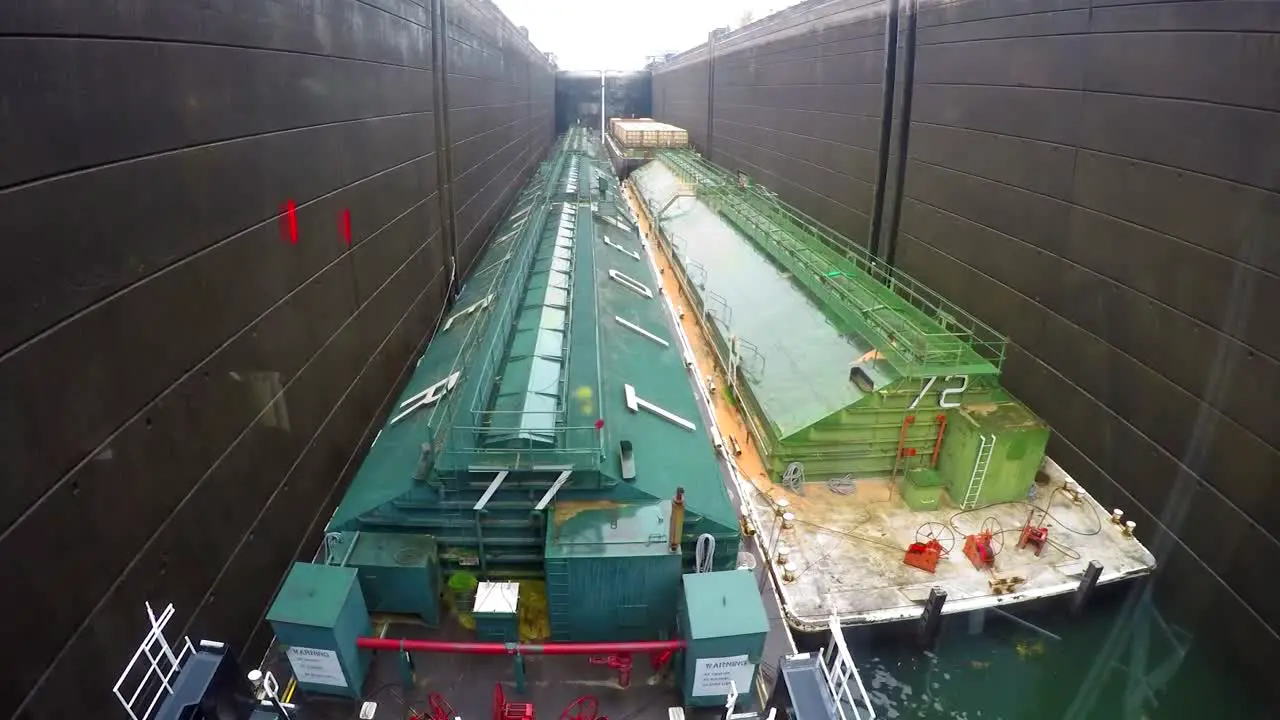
(985, 445)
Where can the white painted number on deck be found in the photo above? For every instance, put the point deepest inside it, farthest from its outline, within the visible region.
(945, 398)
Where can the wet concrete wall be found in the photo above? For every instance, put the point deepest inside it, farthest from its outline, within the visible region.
(1098, 181)
(224, 244)
(578, 97)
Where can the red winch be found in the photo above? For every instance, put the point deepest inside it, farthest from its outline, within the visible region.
(978, 549)
(929, 546)
(1036, 537)
(924, 555)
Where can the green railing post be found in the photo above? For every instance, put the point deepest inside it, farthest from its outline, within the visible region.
(518, 659)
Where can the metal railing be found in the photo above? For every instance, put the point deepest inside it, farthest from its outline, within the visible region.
(917, 329)
(161, 669)
(517, 447)
(528, 438)
(842, 678)
(531, 210)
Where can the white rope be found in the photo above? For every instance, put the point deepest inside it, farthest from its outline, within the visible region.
(704, 552)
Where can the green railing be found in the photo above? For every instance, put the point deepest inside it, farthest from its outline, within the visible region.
(917, 330)
(459, 443)
(523, 439)
(517, 448)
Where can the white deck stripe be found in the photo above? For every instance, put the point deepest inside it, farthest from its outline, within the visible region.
(555, 488)
(642, 331)
(493, 488)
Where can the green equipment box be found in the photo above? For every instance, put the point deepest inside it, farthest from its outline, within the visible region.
(611, 573)
(991, 453)
(922, 488)
(317, 617)
(722, 618)
(399, 572)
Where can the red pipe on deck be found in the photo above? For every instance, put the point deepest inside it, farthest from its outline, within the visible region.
(937, 443)
(493, 648)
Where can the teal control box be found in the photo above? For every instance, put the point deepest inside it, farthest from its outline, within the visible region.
(723, 620)
(317, 617)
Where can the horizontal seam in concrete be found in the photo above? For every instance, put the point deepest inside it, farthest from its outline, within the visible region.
(790, 109)
(933, 11)
(27, 184)
(799, 135)
(195, 255)
(202, 43)
(806, 162)
(515, 177)
(1095, 273)
(731, 61)
(477, 166)
(791, 183)
(1090, 32)
(791, 85)
(1112, 93)
(477, 136)
(1037, 193)
(1144, 161)
(394, 15)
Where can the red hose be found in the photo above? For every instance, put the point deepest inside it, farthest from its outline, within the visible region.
(491, 648)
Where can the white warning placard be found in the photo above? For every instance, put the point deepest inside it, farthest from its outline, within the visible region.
(711, 676)
(313, 665)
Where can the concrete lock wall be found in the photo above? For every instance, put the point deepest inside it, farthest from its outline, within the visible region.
(223, 247)
(578, 97)
(1098, 181)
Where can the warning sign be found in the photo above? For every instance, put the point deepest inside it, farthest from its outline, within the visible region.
(313, 665)
(711, 676)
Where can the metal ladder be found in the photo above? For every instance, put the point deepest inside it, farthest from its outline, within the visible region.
(985, 444)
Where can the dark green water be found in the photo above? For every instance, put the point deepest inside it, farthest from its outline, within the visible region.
(1120, 660)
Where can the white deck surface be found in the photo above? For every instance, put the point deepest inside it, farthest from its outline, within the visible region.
(848, 552)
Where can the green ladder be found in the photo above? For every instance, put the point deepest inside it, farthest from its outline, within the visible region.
(558, 600)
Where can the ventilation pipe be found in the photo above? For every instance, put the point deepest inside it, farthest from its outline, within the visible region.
(677, 519)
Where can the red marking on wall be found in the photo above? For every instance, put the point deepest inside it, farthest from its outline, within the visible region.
(289, 222)
(345, 222)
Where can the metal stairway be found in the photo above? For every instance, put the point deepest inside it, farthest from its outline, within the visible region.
(985, 445)
(823, 686)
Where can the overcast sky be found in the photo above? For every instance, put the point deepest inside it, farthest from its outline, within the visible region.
(616, 35)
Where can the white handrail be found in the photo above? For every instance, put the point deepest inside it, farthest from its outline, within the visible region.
(838, 667)
(164, 666)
